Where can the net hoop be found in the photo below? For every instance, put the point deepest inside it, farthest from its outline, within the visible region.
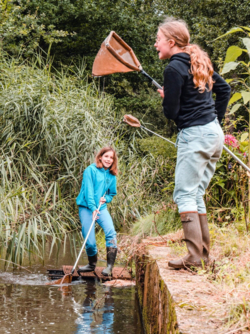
(132, 121)
(136, 66)
(115, 56)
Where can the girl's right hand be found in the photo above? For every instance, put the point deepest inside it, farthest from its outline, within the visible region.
(95, 214)
(161, 92)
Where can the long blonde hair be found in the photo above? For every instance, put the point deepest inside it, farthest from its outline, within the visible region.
(201, 67)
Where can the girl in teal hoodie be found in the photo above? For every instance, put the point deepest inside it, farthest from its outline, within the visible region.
(99, 179)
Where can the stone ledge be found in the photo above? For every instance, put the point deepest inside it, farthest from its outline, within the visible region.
(176, 301)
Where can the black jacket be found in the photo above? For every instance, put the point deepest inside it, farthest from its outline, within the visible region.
(183, 103)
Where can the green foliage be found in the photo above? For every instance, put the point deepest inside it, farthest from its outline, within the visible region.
(135, 21)
(237, 69)
(51, 125)
(52, 120)
(76, 30)
(228, 189)
(21, 32)
(163, 221)
(158, 147)
(147, 100)
(141, 182)
(209, 19)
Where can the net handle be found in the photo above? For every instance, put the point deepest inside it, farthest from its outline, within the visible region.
(134, 122)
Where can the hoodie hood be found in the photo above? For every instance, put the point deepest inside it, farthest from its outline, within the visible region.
(183, 57)
(182, 100)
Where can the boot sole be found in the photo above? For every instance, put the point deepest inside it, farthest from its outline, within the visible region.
(85, 271)
(184, 265)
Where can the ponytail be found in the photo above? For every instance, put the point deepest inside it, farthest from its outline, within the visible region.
(201, 66)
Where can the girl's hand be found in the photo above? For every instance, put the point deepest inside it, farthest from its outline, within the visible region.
(161, 92)
(95, 214)
(102, 200)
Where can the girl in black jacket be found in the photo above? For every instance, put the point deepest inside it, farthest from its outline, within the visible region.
(189, 82)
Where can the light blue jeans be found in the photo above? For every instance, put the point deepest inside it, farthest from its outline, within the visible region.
(106, 223)
(199, 148)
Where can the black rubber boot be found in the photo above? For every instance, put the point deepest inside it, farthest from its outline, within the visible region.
(205, 237)
(193, 238)
(90, 266)
(111, 255)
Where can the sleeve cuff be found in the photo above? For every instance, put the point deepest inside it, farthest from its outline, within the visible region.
(93, 208)
(108, 198)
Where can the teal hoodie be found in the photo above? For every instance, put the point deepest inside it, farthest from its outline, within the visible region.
(96, 181)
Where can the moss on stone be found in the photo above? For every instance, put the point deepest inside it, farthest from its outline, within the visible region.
(158, 310)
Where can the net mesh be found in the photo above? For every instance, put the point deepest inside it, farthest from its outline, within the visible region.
(132, 121)
(115, 56)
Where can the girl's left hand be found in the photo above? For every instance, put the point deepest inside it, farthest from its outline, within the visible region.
(161, 92)
(102, 200)
(95, 214)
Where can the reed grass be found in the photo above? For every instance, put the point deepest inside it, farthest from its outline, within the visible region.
(51, 125)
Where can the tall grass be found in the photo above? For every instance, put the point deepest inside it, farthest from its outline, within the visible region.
(164, 220)
(51, 124)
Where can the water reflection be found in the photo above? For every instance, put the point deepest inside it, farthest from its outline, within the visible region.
(98, 314)
(28, 306)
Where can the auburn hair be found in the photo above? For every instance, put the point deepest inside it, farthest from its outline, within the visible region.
(201, 66)
(114, 167)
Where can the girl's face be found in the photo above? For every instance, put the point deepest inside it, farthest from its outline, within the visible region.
(107, 159)
(163, 45)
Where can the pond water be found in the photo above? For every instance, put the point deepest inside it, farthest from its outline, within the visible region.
(86, 306)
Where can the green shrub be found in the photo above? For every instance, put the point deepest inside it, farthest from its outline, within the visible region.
(164, 220)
